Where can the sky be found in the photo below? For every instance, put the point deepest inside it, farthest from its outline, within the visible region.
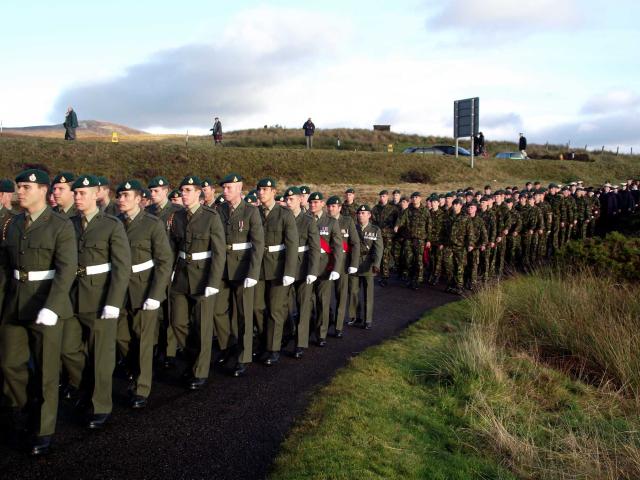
(558, 70)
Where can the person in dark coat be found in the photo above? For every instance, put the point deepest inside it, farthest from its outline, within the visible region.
(608, 208)
(479, 144)
(309, 129)
(217, 131)
(522, 145)
(70, 124)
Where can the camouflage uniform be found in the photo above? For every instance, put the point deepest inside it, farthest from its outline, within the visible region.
(513, 238)
(547, 225)
(385, 217)
(416, 220)
(559, 216)
(489, 218)
(571, 212)
(460, 235)
(583, 215)
(532, 222)
(476, 255)
(436, 237)
(503, 222)
(349, 210)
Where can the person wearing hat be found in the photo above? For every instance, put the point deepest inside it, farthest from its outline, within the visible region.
(559, 217)
(175, 197)
(61, 187)
(582, 213)
(503, 225)
(571, 212)
(216, 131)
(104, 197)
(36, 274)
(436, 240)
(245, 247)
(594, 209)
(349, 206)
(399, 239)
(396, 195)
(460, 241)
(532, 225)
(305, 191)
(369, 261)
(281, 201)
(151, 265)
(251, 199)
(196, 235)
(7, 189)
(104, 267)
(348, 264)
(472, 269)
(209, 192)
(489, 219)
(331, 253)
(309, 129)
(512, 255)
(384, 216)
(277, 273)
(416, 220)
(546, 225)
(608, 208)
(306, 268)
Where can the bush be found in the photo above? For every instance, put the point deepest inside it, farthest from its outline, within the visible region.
(415, 176)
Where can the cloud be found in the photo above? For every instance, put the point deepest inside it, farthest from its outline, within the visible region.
(497, 120)
(612, 101)
(232, 77)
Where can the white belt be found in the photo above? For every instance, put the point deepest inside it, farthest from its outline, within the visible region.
(96, 269)
(34, 276)
(304, 248)
(322, 251)
(240, 246)
(276, 248)
(141, 267)
(195, 255)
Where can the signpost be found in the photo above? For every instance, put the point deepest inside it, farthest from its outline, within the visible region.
(466, 121)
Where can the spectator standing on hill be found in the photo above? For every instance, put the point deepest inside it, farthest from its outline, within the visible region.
(479, 144)
(70, 124)
(522, 145)
(309, 129)
(216, 131)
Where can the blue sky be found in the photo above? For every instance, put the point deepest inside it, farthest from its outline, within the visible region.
(559, 70)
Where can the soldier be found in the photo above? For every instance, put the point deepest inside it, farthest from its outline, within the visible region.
(37, 270)
(513, 237)
(305, 191)
(503, 224)
(307, 268)
(583, 214)
(571, 212)
(104, 267)
(349, 206)
(61, 187)
(532, 230)
(479, 245)
(384, 216)
(416, 220)
(396, 196)
(349, 263)
(197, 241)
(489, 218)
(209, 192)
(7, 189)
(151, 265)
(277, 274)
(437, 232)
(175, 197)
(558, 220)
(399, 239)
(104, 197)
(594, 206)
(145, 199)
(371, 250)
(331, 253)
(245, 248)
(460, 240)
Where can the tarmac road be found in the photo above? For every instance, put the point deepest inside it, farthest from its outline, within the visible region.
(232, 429)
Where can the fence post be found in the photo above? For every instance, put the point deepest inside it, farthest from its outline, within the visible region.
(617, 150)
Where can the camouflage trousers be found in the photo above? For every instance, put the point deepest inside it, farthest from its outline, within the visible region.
(569, 230)
(513, 250)
(485, 264)
(455, 259)
(436, 261)
(554, 239)
(413, 252)
(474, 260)
(499, 256)
(398, 255)
(529, 249)
(387, 253)
(543, 243)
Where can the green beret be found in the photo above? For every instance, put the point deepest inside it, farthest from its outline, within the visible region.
(146, 193)
(485, 198)
(190, 180)
(206, 182)
(508, 200)
(266, 182)
(449, 195)
(104, 181)
(158, 182)
(396, 191)
(7, 186)
(63, 177)
(553, 185)
(434, 197)
(175, 194)
(33, 175)
(304, 189)
(349, 190)
(472, 204)
(279, 198)
(334, 200)
(231, 178)
(315, 196)
(85, 181)
(416, 194)
(404, 199)
(384, 192)
(253, 192)
(499, 192)
(364, 208)
(129, 185)
(289, 192)
(250, 199)
(219, 199)
(457, 201)
(487, 187)
(566, 189)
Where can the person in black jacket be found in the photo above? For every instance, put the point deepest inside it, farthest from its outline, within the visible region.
(70, 124)
(309, 129)
(522, 145)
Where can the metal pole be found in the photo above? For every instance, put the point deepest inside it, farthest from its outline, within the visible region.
(457, 147)
(472, 146)
(617, 150)
(473, 131)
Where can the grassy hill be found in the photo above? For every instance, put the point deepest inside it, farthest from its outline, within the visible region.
(86, 129)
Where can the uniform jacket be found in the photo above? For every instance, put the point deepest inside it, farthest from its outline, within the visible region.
(279, 229)
(331, 238)
(111, 209)
(385, 217)
(104, 241)
(148, 241)
(308, 262)
(70, 213)
(371, 247)
(350, 243)
(48, 244)
(163, 213)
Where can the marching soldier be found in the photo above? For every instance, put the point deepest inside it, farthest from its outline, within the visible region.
(489, 219)
(277, 274)
(37, 268)
(7, 189)
(61, 187)
(481, 239)
(370, 258)
(175, 197)
(532, 230)
(417, 222)
(331, 253)
(151, 264)
(209, 192)
(104, 266)
(349, 206)
(104, 197)
(244, 250)
(437, 232)
(460, 240)
(385, 216)
(197, 240)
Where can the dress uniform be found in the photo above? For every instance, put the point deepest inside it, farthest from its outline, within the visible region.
(308, 259)
(109, 207)
(369, 260)
(244, 238)
(104, 267)
(37, 268)
(277, 274)
(151, 265)
(197, 241)
(64, 178)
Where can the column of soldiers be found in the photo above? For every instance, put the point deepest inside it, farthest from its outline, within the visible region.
(158, 277)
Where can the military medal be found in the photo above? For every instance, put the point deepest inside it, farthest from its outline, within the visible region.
(241, 224)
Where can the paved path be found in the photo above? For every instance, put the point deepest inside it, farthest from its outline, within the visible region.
(232, 429)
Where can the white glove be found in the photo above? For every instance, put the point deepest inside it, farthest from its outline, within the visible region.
(353, 270)
(249, 282)
(151, 304)
(208, 291)
(109, 312)
(286, 280)
(47, 317)
(334, 275)
(311, 279)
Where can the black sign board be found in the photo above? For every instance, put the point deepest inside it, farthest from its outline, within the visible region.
(466, 117)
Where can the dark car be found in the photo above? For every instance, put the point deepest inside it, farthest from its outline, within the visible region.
(451, 150)
(422, 150)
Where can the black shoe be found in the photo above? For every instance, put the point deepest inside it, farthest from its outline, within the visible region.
(197, 383)
(433, 281)
(322, 342)
(240, 370)
(97, 421)
(338, 334)
(414, 285)
(138, 401)
(383, 282)
(169, 363)
(70, 394)
(298, 354)
(351, 322)
(40, 445)
(272, 359)
(367, 326)
(223, 358)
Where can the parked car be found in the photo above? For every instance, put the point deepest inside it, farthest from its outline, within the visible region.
(451, 150)
(423, 150)
(510, 155)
